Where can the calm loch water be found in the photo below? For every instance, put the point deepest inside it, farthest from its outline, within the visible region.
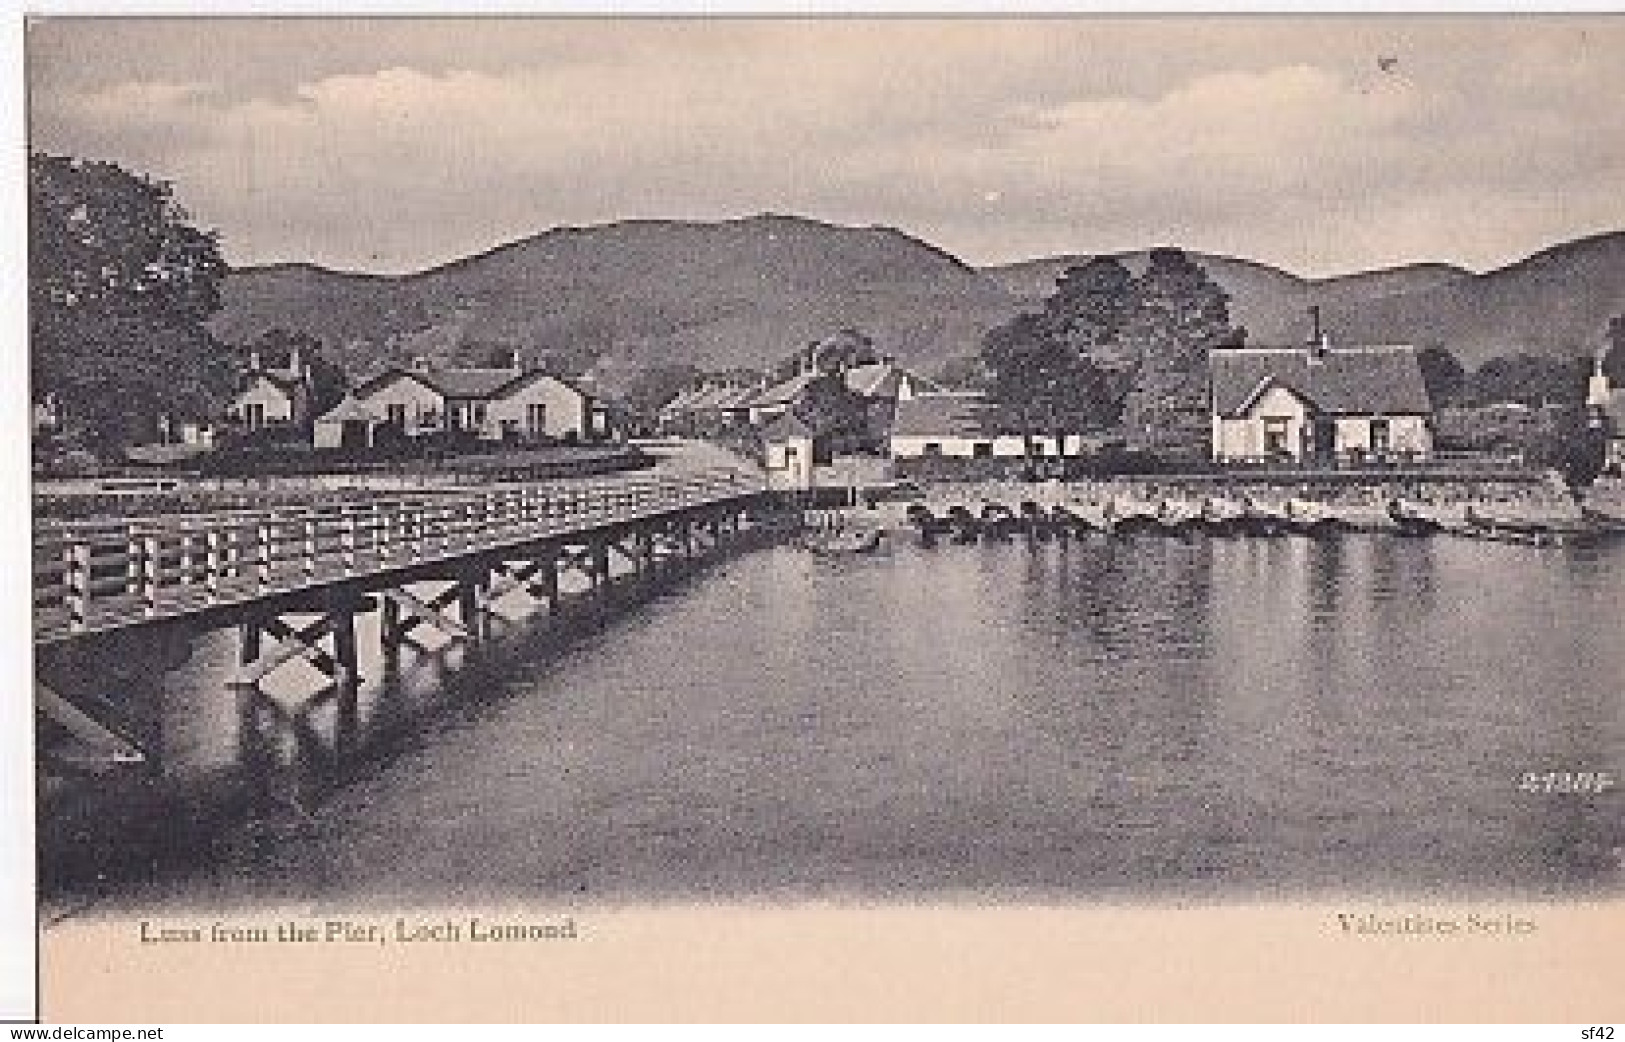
(1099, 720)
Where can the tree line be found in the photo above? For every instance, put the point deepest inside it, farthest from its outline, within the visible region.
(121, 288)
(1108, 349)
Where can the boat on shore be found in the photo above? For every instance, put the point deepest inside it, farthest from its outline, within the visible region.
(1313, 519)
(1410, 519)
(1179, 517)
(1223, 517)
(1262, 519)
(861, 539)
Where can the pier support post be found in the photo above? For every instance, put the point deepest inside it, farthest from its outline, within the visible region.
(468, 605)
(347, 684)
(389, 627)
(600, 564)
(549, 576)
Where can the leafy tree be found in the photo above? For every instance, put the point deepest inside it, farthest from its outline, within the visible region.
(656, 385)
(1573, 447)
(1091, 306)
(1042, 380)
(1442, 374)
(1613, 362)
(490, 355)
(1178, 315)
(1533, 380)
(964, 373)
(120, 286)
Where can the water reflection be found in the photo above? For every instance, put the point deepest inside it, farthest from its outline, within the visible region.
(1075, 719)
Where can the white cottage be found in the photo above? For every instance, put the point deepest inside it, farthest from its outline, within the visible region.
(967, 425)
(1319, 403)
(1606, 406)
(272, 396)
(790, 449)
(493, 404)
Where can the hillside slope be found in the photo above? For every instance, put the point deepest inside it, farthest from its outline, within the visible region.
(748, 292)
(716, 294)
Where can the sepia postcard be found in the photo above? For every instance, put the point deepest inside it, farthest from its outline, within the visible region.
(1090, 518)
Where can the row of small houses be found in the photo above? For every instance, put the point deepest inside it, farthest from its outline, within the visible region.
(1298, 404)
(1309, 405)
(509, 403)
(861, 398)
(1314, 403)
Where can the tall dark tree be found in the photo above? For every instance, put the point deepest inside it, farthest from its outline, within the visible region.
(964, 373)
(1092, 304)
(1613, 362)
(658, 384)
(1046, 385)
(1532, 380)
(120, 285)
(1179, 315)
(1442, 374)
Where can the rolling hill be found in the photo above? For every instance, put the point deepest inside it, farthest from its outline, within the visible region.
(720, 294)
(746, 292)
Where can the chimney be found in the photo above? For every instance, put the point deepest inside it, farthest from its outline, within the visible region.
(253, 361)
(420, 363)
(293, 359)
(514, 362)
(1319, 341)
(1598, 389)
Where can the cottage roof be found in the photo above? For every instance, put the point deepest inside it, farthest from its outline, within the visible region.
(785, 391)
(878, 380)
(1615, 411)
(348, 409)
(788, 425)
(470, 383)
(734, 398)
(1383, 379)
(685, 399)
(949, 414)
(465, 383)
(286, 382)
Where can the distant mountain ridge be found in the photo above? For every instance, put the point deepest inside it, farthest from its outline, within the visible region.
(749, 291)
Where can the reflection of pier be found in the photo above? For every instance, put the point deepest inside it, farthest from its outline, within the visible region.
(118, 602)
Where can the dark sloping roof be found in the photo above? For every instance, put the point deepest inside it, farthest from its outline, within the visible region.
(348, 409)
(878, 380)
(788, 424)
(1615, 411)
(464, 383)
(785, 391)
(1343, 381)
(287, 383)
(470, 383)
(950, 414)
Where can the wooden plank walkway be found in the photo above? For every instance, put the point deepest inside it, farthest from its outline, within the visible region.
(97, 576)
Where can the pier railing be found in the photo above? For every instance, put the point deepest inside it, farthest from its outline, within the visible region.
(104, 574)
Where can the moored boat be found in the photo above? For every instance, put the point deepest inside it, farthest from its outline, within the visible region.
(1263, 519)
(1412, 519)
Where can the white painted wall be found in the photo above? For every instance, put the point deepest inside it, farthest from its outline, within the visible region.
(421, 402)
(261, 391)
(1243, 436)
(1004, 446)
(566, 409)
(790, 463)
(1410, 434)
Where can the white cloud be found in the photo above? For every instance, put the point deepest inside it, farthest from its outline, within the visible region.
(1268, 139)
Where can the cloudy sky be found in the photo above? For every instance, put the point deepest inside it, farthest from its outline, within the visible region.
(1323, 145)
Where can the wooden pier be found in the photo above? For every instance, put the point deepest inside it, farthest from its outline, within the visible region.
(292, 581)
